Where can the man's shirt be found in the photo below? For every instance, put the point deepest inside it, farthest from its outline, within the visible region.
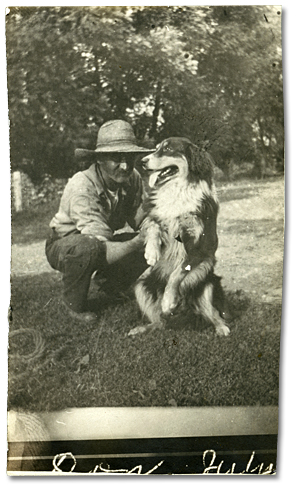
(89, 207)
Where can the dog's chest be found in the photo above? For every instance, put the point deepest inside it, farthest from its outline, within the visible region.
(174, 200)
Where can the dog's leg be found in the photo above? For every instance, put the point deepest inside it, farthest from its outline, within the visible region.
(197, 275)
(204, 307)
(152, 243)
(171, 294)
(181, 280)
(149, 308)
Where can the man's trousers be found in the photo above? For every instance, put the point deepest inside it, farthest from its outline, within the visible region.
(78, 256)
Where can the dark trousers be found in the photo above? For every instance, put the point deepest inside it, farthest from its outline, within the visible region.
(78, 256)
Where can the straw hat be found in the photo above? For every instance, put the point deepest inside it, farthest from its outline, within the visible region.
(114, 136)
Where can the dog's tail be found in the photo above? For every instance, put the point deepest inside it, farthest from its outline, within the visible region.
(196, 274)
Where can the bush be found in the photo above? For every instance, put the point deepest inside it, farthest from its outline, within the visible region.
(34, 195)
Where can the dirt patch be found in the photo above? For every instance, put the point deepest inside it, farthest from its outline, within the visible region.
(29, 259)
(251, 239)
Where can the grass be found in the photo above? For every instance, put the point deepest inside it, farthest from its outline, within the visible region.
(32, 225)
(99, 365)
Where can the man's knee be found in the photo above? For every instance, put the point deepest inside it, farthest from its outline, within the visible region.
(88, 253)
(77, 253)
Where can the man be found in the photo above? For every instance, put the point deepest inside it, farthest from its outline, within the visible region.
(97, 202)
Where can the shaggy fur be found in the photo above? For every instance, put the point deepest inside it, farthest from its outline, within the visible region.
(181, 238)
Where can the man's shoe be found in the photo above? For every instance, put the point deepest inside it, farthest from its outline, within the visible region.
(80, 316)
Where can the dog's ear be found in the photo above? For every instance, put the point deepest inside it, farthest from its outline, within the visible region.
(200, 162)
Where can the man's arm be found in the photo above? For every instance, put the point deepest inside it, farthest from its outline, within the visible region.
(90, 218)
(116, 251)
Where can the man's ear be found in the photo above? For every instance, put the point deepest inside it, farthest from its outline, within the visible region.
(200, 163)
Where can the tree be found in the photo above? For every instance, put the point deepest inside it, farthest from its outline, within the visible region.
(234, 103)
(208, 73)
(246, 48)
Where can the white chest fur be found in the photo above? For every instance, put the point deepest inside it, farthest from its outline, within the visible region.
(177, 198)
(171, 202)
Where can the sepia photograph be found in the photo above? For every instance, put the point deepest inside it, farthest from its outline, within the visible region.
(147, 161)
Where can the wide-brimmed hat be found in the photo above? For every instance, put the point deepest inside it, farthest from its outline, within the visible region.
(114, 136)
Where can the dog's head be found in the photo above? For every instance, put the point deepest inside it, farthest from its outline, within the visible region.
(178, 158)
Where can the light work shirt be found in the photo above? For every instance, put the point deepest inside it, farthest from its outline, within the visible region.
(87, 206)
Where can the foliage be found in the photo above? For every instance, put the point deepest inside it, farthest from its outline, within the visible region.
(212, 74)
(45, 191)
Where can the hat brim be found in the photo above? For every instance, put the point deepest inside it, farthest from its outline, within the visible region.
(81, 153)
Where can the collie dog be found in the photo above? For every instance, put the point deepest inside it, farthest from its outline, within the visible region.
(180, 238)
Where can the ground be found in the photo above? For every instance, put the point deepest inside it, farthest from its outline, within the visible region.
(251, 234)
(57, 363)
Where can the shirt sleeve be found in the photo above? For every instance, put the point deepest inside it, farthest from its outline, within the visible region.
(87, 212)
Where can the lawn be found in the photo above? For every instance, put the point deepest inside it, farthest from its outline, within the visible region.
(32, 225)
(56, 362)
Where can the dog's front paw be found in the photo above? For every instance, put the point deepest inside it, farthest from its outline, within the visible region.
(222, 330)
(169, 302)
(152, 254)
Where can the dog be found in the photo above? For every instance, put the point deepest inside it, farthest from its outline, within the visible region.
(180, 237)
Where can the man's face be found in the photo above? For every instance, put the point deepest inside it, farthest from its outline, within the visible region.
(117, 167)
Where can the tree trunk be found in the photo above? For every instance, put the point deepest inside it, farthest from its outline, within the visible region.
(153, 129)
(262, 167)
(228, 169)
(96, 71)
(17, 187)
(263, 159)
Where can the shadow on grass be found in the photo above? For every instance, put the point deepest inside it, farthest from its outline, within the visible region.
(78, 365)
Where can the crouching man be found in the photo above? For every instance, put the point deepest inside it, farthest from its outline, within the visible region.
(95, 204)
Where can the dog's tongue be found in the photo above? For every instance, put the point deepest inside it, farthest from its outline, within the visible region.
(153, 178)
